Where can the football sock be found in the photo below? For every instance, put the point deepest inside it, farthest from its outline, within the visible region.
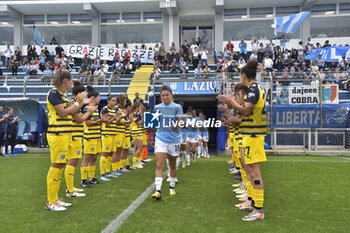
(114, 166)
(199, 150)
(244, 176)
(69, 176)
(188, 158)
(172, 182)
(108, 164)
(177, 163)
(249, 187)
(158, 181)
(135, 161)
(52, 180)
(103, 165)
(258, 197)
(127, 162)
(92, 171)
(59, 182)
(84, 172)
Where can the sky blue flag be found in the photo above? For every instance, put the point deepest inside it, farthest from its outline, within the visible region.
(290, 23)
(38, 39)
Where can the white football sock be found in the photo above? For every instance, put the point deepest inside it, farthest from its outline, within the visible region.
(158, 181)
(172, 182)
(188, 157)
(177, 163)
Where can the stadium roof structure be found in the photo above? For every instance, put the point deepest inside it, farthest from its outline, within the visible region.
(30, 7)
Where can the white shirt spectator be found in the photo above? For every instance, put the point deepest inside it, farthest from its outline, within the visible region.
(255, 46)
(268, 63)
(8, 53)
(254, 56)
(300, 50)
(315, 83)
(104, 70)
(310, 44)
(204, 54)
(198, 71)
(193, 47)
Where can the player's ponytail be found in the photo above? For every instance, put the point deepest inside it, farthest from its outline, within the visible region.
(78, 88)
(250, 69)
(92, 92)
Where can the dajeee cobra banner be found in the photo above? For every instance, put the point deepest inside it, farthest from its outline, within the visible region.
(107, 53)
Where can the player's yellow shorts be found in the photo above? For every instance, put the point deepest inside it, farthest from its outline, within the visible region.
(136, 135)
(126, 143)
(237, 145)
(75, 149)
(144, 139)
(254, 151)
(108, 143)
(119, 138)
(231, 137)
(59, 147)
(92, 146)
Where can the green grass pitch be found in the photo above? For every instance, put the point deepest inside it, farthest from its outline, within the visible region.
(302, 194)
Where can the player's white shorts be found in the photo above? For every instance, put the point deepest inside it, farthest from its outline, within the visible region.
(192, 140)
(171, 149)
(205, 138)
(183, 140)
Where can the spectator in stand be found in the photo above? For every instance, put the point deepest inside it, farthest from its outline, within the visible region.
(185, 50)
(125, 45)
(226, 53)
(57, 63)
(283, 41)
(326, 44)
(156, 72)
(268, 63)
(1, 74)
(233, 67)
(117, 45)
(26, 66)
(46, 53)
(182, 62)
(229, 46)
(8, 56)
(333, 65)
(33, 68)
(295, 68)
(319, 61)
(198, 70)
(86, 61)
(115, 58)
(136, 47)
(137, 62)
(138, 99)
(30, 52)
(260, 52)
(71, 63)
(95, 74)
(165, 62)
(18, 55)
(204, 56)
(42, 62)
(118, 68)
(183, 69)
(102, 74)
(285, 76)
(243, 49)
(59, 50)
(126, 58)
(143, 46)
(162, 48)
(301, 49)
(172, 51)
(255, 45)
(315, 82)
(14, 65)
(198, 42)
(342, 62)
(279, 65)
(206, 69)
(271, 44)
(156, 48)
(193, 47)
(47, 76)
(241, 63)
(276, 53)
(309, 44)
(174, 67)
(288, 63)
(254, 56)
(128, 68)
(294, 55)
(218, 68)
(195, 56)
(314, 67)
(225, 65)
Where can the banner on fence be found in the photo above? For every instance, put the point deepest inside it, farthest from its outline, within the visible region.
(192, 88)
(303, 94)
(105, 53)
(335, 115)
(330, 54)
(330, 94)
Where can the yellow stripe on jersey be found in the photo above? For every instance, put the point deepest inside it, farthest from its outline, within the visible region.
(78, 128)
(57, 124)
(137, 130)
(111, 129)
(127, 128)
(231, 128)
(92, 132)
(255, 124)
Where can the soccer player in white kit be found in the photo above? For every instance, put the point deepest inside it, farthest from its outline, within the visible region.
(167, 142)
(205, 138)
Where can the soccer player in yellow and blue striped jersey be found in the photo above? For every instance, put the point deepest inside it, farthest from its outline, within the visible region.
(253, 130)
(59, 134)
(108, 136)
(137, 133)
(92, 140)
(76, 147)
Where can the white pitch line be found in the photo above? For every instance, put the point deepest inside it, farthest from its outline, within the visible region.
(313, 161)
(118, 221)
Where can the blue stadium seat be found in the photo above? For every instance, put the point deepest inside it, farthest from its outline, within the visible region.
(22, 126)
